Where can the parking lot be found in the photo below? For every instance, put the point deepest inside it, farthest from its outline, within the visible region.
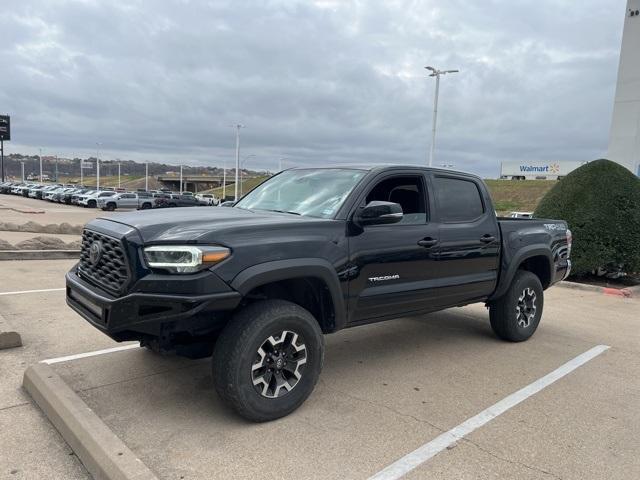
(385, 391)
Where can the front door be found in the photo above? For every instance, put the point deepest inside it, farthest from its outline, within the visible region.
(393, 265)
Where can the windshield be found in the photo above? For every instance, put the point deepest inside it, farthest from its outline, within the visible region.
(312, 192)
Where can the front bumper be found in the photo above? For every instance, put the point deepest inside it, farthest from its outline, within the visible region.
(139, 314)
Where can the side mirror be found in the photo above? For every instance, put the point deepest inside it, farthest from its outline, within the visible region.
(379, 213)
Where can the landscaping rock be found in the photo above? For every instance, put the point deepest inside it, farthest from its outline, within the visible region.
(42, 243)
(4, 245)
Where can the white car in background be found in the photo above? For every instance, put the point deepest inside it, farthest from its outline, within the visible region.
(521, 215)
(207, 199)
(91, 201)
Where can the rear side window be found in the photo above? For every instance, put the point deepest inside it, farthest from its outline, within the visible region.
(458, 200)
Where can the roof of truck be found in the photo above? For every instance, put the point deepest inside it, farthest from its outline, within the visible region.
(380, 167)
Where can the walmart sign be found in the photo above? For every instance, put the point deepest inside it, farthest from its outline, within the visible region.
(550, 168)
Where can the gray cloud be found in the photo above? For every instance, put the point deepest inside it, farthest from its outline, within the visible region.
(317, 82)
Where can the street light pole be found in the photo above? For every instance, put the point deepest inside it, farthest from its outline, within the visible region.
(40, 164)
(238, 127)
(280, 163)
(180, 179)
(435, 73)
(22, 171)
(146, 176)
(224, 179)
(118, 174)
(98, 166)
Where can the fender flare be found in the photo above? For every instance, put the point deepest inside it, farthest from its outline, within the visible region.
(513, 264)
(277, 270)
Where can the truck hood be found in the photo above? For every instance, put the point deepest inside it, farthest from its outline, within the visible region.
(200, 224)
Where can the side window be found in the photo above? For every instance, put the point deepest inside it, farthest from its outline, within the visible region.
(408, 191)
(458, 200)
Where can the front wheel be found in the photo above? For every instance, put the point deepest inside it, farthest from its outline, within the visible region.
(267, 360)
(516, 315)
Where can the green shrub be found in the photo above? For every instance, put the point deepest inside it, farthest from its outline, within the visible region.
(601, 203)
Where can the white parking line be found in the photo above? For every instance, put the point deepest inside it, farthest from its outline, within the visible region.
(33, 291)
(414, 459)
(95, 353)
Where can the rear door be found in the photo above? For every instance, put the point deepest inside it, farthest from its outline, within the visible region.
(128, 200)
(469, 237)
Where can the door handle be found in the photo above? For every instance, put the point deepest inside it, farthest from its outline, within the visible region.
(427, 242)
(487, 238)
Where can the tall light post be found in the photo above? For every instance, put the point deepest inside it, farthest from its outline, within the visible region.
(224, 179)
(22, 163)
(436, 73)
(40, 164)
(98, 144)
(242, 171)
(118, 174)
(238, 126)
(281, 162)
(146, 176)
(180, 179)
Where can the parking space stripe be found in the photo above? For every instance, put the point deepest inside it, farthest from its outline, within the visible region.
(95, 353)
(33, 291)
(414, 459)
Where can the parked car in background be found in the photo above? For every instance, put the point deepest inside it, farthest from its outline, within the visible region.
(91, 201)
(207, 198)
(178, 201)
(119, 200)
(521, 215)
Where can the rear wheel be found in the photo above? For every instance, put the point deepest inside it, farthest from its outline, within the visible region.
(146, 206)
(111, 207)
(91, 204)
(515, 316)
(267, 360)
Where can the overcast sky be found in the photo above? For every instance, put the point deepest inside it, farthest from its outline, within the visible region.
(316, 82)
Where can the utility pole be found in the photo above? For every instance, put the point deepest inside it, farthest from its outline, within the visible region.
(436, 73)
(224, 179)
(40, 164)
(238, 127)
(98, 166)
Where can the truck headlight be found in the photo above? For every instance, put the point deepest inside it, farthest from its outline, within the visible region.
(184, 258)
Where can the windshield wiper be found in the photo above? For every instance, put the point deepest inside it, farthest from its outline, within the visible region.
(284, 211)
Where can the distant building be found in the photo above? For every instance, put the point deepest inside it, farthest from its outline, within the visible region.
(624, 138)
(537, 170)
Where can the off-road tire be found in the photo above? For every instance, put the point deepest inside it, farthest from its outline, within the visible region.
(237, 347)
(506, 321)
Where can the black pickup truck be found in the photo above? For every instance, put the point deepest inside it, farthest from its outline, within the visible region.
(309, 252)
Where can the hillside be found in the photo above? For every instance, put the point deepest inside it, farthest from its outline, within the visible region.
(518, 195)
(248, 184)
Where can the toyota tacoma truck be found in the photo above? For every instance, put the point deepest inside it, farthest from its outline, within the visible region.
(309, 252)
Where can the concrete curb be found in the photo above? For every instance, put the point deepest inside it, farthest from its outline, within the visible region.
(103, 454)
(38, 254)
(9, 338)
(628, 292)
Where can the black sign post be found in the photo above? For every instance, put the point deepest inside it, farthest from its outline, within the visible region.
(5, 134)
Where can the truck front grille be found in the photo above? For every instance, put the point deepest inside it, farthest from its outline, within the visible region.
(103, 262)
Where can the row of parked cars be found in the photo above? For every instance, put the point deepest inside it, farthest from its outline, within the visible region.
(107, 198)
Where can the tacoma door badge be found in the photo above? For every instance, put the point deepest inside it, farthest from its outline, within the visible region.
(384, 278)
